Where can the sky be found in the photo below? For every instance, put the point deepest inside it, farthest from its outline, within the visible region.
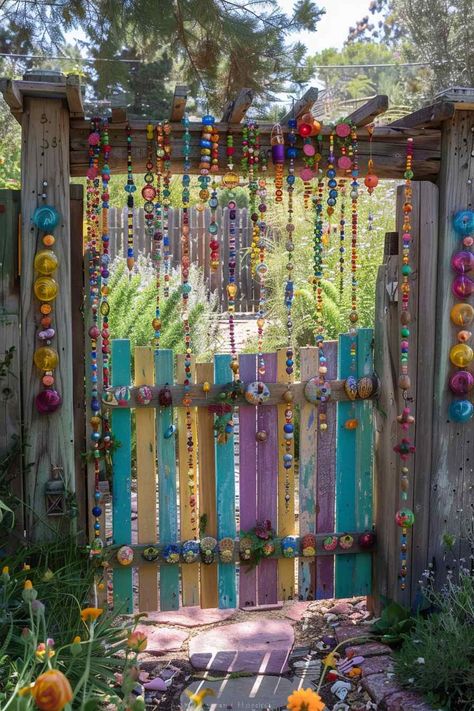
(333, 27)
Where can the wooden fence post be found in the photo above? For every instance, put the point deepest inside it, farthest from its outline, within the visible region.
(45, 157)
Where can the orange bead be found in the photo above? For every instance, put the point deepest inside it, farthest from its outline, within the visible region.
(371, 180)
(49, 240)
(46, 308)
(48, 380)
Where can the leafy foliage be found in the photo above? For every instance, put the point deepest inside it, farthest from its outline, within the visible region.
(394, 622)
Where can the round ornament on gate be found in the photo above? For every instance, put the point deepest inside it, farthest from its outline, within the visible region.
(171, 553)
(150, 553)
(144, 395)
(245, 548)
(308, 545)
(226, 550)
(190, 551)
(366, 386)
(350, 387)
(125, 555)
(208, 549)
(330, 543)
(289, 546)
(316, 391)
(257, 393)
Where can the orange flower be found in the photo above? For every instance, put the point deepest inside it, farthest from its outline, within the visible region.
(305, 700)
(28, 585)
(44, 650)
(90, 614)
(137, 641)
(52, 691)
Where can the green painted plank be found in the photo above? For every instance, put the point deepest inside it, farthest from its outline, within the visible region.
(168, 502)
(225, 496)
(121, 425)
(354, 477)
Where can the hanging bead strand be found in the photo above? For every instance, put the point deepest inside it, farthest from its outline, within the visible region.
(262, 268)
(105, 258)
(278, 158)
(166, 201)
(354, 194)
(230, 180)
(130, 188)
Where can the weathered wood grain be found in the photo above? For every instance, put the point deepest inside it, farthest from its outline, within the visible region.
(45, 122)
(236, 109)
(365, 114)
(178, 106)
(207, 485)
(302, 105)
(147, 517)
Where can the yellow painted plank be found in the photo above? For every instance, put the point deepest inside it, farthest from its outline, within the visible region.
(286, 511)
(146, 481)
(207, 485)
(189, 573)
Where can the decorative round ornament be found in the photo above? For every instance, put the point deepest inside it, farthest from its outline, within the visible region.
(366, 387)
(171, 553)
(261, 436)
(125, 555)
(190, 551)
(330, 543)
(346, 541)
(462, 314)
(462, 286)
(245, 548)
(165, 399)
(122, 395)
(351, 424)
(46, 218)
(461, 382)
(366, 539)
(144, 395)
(350, 387)
(208, 549)
(46, 261)
(308, 545)
(150, 553)
(45, 288)
(268, 548)
(46, 358)
(230, 180)
(405, 518)
(289, 546)
(316, 391)
(48, 401)
(257, 393)
(461, 410)
(463, 222)
(463, 262)
(226, 550)
(461, 355)
(343, 130)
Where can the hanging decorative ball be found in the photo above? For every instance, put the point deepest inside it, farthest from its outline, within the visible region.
(46, 261)
(463, 262)
(366, 539)
(350, 387)
(261, 436)
(165, 399)
(289, 546)
(371, 181)
(257, 393)
(305, 129)
(343, 130)
(461, 410)
(405, 518)
(125, 555)
(351, 424)
(46, 218)
(48, 401)
(226, 550)
(462, 314)
(46, 358)
(461, 382)
(463, 222)
(206, 387)
(190, 551)
(330, 543)
(144, 395)
(346, 541)
(150, 553)
(49, 240)
(230, 180)
(308, 545)
(462, 286)
(461, 355)
(316, 128)
(170, 431)
(45, 288)
(366, 386)
(316, 391)
(288, 395)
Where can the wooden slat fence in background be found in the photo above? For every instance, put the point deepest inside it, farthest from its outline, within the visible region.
(247, 297)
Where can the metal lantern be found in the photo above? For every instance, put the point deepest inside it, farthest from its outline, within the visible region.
(55, 493)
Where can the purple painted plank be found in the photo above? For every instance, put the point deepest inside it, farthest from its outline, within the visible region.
(267, 483)
(248, 478)
(326, 483)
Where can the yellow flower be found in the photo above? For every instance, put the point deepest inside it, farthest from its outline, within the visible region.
(52, 691)
(76, 640)
(28, 585)
(26, 567)
(198, 698)
(305, 700)
(90, 614)
(330, 661)
(43, 650)
(137, 641)
(5, 570)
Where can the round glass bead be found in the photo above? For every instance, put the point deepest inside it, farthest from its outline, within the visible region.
(45, 288)
(461, 355)
(46, 358)
(461, 410)
(463, 262)
(45, 261)
(463, 287)
(463, 222)
(48, 401)
(462, 314)
(46, 218)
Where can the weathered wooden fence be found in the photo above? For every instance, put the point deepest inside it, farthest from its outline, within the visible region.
(247, 297)
(242, 485)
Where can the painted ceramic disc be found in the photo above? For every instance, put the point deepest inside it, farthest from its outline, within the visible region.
(315, 391)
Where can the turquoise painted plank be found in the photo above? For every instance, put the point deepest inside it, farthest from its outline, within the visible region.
(168, 502)
(354, 457)
(225, 496)
(121, 426)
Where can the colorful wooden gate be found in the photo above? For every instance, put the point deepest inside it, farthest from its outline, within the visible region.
(240, 482)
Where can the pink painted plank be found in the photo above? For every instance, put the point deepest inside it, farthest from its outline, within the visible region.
(326, 483)
(248, 478)
(267, 484)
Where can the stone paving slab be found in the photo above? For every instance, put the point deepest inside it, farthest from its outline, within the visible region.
(190, 616)
(376, 665)
(405, 701)
(379, 686)
(296, 610)
(245, 693)
(163, 640)
(260, 646)
(345, 632)
(370, 649)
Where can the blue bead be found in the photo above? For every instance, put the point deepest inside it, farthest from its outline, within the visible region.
(291, 152)
(331, 173)
(332, 183)
(96, 526)
(96, 511)
(229, 429)
(290, 179)
(95, 436)
(288, 428)
(292, 123)
(208, 120)
(331, 202)
(97, 495)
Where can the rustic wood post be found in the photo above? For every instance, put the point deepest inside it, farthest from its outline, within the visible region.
(45, 120)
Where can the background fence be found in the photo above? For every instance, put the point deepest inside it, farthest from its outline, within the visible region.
(247, 298)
